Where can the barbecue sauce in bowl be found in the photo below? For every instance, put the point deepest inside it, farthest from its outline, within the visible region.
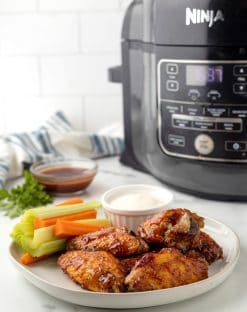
(65, 178)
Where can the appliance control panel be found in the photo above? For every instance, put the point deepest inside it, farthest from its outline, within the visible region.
(202, 109)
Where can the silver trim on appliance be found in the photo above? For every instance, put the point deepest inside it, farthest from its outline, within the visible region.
(202, 158)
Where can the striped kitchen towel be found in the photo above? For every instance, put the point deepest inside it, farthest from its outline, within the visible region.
(57, 138)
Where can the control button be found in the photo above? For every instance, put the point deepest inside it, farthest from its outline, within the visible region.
(240, 88)
(176, 140)
(229, 126)
(214, 95)
(216, 112)
(238, 112)
(204, 125)
(204, 144)
(241, 79)
(172, 69)
(173, 109)
(182, 123)
(194, 94)
(240, 70)
(235, 146)
(193, 110)
(172, 85)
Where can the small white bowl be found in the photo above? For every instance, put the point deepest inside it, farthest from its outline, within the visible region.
(132, 218)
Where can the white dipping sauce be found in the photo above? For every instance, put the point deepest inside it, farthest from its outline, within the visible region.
(139, 200)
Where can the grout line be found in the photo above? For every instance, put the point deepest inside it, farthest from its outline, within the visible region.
(61, 54)
(83, 110)
(37, 5)
(80, 46)
(40, 77)
(37, 10)
(84, 95)
(120, 3)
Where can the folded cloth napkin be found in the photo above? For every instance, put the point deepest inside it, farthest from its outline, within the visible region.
(57, 138)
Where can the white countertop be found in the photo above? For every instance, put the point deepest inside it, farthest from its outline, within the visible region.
(17, 294)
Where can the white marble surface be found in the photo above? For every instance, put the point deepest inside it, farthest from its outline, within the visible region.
(16, 294)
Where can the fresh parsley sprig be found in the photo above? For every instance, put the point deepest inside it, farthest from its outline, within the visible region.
(30, 194)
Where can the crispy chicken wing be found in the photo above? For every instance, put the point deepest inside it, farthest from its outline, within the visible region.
(129, 263)
(116, 240)
(97, 271)
(165, 269)
(172, 228)
(208, 247)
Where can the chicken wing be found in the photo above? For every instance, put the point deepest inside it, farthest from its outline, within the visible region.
(172, 228)
(97, 271)
(208, 247)
(166, 269)
(116, 240)
(129, 263)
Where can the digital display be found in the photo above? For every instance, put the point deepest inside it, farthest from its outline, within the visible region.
(203, 75)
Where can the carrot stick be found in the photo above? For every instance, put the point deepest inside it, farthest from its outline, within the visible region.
(67, 229)
(27, 259)
(89, 214)
(71, 201)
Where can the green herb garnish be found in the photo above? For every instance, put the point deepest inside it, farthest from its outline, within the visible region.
(31, 194)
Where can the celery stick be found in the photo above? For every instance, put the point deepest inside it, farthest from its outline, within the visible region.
(17, 234)
(49, 248)
(46, 248)
(39, 237)
(42, 235)
(56, 211)
(103, 222)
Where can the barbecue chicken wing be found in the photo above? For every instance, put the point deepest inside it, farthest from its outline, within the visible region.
(165, 269)
(116, 240)
(129, 263)
(172, 228)
(97, 271)
(208, 247)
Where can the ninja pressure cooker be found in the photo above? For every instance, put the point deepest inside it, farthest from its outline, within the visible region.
(184, 76)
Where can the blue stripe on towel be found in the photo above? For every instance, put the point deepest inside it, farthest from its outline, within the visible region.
(62, 117)
(121, 145)
(4, 166)
(39, 137)
(47, 142)
(13, 139)
(107, 151)
(99, 148)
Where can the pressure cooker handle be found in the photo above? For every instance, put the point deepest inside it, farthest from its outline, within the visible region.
(115, 74)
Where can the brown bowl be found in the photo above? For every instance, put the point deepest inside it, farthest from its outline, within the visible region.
(65, 176)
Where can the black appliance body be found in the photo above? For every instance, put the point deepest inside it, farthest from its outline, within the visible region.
(184, 76)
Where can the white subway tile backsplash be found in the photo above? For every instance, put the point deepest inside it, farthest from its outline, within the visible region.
(77, 5)
(101, 31)
(78, 75)
(55, 55)
(36, 110)
(19, 76)
(101, 112)
(38, 34)
(7, 6)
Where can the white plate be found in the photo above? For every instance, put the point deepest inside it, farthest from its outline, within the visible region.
(47, 276)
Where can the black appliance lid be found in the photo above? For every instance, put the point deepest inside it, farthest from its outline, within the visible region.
(187, 22)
